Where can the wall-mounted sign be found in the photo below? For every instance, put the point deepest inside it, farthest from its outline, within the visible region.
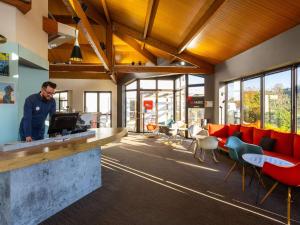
(4, 64)
(7, 93)
(148, 104)
(195, 102)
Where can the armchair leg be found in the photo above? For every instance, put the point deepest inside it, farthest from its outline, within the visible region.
(191, 143)
(268, 193)
(289, 206)
(243, 179)
(260, 180)
(214, 156)
(230, 171)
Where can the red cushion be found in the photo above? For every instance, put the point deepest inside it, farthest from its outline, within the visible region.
(296, 147)
(247, 134)
(282, 156)
(233, 128)
(218, 130)
(284, 142)
(222, 142)
(258, 134)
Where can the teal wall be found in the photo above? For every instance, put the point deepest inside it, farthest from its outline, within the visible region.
(27, 81)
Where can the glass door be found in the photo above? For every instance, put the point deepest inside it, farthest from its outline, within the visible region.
(148, 109)
(131, 111)
(164, 106)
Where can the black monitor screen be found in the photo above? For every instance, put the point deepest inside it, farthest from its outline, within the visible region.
(61, 122)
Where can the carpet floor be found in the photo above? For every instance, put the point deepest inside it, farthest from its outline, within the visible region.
(147, 181)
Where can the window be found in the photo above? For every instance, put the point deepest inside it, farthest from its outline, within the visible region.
(196, 91)
(298, 100)
(165, 106)
(195, 79)
(233, 102)
(61, 99)
(99, 102)
(251, 102)
(148, 84)
(277, 109)
(165, 84)
(131, 86)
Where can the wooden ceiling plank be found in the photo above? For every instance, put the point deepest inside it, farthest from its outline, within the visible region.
(94, 15)
(50, 26)
(162, 46)
(24, 7)
(134, 44)
(149, 20)
(201, 23)
(75, 7)
(159, 69)
(105, 8)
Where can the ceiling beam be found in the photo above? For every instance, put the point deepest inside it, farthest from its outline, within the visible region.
(201, 23)
(75, 7)
(78, 75)
(24, 7)
(50, 26)
(158, 69)
(105, 8)
(149, 20)
(134, 44)
(109, 46)
(80, 68)
(76, 68)
(164, 47)
(94, 14)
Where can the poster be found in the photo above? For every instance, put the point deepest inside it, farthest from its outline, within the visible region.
(7, 93)
(4, 64)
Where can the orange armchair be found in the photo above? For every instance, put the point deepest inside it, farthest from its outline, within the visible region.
(289, 176)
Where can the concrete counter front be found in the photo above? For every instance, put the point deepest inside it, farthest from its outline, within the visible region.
(40, 180)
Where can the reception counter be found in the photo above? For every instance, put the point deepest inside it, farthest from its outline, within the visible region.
(41, 178)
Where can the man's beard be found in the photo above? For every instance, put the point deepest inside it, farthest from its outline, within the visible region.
(44, 99)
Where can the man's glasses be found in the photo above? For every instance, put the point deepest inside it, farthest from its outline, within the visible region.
(49, 92)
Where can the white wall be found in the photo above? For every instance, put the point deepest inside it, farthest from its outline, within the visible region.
(26, 29)
(283, 49)
(78, 86)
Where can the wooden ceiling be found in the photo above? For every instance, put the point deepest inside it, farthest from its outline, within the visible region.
(158, 32)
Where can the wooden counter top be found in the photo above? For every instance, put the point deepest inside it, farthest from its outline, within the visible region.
(38, 154)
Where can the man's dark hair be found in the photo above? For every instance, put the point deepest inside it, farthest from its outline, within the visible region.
(49, 83)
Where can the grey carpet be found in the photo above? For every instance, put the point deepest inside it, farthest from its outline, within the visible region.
(147, 182)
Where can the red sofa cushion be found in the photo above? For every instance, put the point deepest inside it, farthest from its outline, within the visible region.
(258, 134)
(284, 142)
(282, 156)
(247, 134)
(233, 128)
(296, 146)
(218, 130)
(222, 142)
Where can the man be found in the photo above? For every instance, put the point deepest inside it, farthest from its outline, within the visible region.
(36, 109)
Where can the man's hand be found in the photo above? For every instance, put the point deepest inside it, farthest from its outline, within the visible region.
(28, 139)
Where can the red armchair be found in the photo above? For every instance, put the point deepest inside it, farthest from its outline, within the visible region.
(289, 176)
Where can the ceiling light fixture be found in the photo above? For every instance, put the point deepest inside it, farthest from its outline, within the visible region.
(76, 55)
(2, 39)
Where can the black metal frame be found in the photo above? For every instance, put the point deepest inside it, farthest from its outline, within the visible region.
(98, 108)
(59, 101)
(262, 76)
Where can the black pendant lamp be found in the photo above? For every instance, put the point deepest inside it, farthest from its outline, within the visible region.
(76, 55)
(2, 39)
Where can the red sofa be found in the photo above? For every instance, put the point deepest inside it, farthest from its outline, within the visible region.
(287, 145)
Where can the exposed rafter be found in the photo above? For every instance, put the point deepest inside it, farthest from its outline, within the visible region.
(109, 46)
(105, 8)
(211, 10)
(78, 75)
(149, 20)
(134, 44)
(75, 7)
(76, 68)
(50, 26)
(164, 47)
(24, 7)
(93, 14)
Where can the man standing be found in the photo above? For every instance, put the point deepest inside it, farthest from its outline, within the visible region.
(36, 109)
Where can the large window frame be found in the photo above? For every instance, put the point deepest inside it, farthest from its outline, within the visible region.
(98, 103)
(61, 101)
(293, 95)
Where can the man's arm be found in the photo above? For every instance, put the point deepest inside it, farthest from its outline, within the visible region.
(27, 119)
(52, 109)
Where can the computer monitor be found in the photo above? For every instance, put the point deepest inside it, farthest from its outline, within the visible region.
(62, 123)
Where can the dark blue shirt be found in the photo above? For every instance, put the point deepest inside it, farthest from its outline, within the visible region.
(36, 110)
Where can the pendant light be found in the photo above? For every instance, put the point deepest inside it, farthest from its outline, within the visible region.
(76, 55)
(2, 39)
